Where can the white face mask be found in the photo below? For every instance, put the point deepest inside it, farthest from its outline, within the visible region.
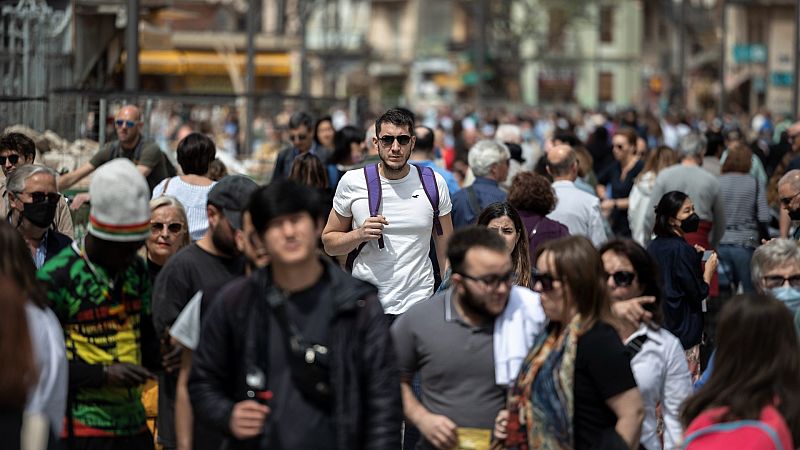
(790, 296)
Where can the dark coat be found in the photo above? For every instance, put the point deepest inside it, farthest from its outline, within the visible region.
(364, 376)
(540, 229)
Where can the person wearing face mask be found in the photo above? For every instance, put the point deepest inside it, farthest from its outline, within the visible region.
(788, 192)
(686, 282)
(33, 199)
(776, 270)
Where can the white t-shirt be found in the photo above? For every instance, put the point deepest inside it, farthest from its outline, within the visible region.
(186, 328)
(402, 270)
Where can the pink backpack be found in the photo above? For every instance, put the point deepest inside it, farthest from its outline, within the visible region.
(769, 433)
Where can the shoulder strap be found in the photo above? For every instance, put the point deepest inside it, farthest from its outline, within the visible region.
(166, 185)
(374, 192)
(428, 180)
(474, 203)
(727, 427)
(635, 346)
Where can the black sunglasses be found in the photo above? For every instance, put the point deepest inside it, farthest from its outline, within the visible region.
(622, 278)
(41, 197)
(13, 159)
(388, 140)
(786, 200)
(173, 227)
(776, 281)
(127, 123)
(543, 278)
(297, 137)
(491, 281)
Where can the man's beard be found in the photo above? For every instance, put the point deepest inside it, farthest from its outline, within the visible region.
(387, 169)
(471, 304)
(224, 244)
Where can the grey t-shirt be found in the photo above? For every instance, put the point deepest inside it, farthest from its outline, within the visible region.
(455, 361)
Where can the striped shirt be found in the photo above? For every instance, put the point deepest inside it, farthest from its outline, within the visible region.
(193, 198)
(745, 205)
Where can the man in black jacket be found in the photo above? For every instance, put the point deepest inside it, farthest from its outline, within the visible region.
(298, 355)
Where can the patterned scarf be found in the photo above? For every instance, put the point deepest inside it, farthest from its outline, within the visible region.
(541, 407)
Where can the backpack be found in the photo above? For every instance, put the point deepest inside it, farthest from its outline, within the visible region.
(375, 194)
(768, 433)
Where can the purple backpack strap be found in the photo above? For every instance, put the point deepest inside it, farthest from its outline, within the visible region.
(428, 179)
(374, 192)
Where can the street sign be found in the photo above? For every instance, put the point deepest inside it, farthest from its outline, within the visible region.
(749, 54)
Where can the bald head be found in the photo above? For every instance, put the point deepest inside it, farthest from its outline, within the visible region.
(128, 124)
(562, 163)
(791, 178)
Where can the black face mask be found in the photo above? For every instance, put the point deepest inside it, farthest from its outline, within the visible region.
(794, 214)
(40, 214)
(691, 223)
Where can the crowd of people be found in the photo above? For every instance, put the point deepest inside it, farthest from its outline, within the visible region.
(417, 283)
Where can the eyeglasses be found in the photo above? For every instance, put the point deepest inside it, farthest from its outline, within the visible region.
(127, 123)
(775, 281)
(622, 278)
(491, 281)
(13, 159)
(543, 278)
(41, 197)
(174, 227)
(297, 137)
(388, 140)
(786, 200)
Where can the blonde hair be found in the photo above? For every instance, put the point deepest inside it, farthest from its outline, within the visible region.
(168, 200)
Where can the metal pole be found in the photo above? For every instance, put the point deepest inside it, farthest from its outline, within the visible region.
(250, 81)
(479, 48)
(304, 89)
(682, 56)
(148, 111)
(722, 54)
(101, 124)
(132, 47)
(796, 75)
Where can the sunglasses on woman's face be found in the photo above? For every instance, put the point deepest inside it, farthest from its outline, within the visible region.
(622, 278)
(543, 278)
(174, 227)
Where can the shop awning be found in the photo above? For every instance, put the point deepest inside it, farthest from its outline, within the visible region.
(177, 62)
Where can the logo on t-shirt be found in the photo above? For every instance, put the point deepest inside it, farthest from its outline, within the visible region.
(415, 196)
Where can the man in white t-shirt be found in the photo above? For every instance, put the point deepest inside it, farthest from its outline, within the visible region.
(401, 270)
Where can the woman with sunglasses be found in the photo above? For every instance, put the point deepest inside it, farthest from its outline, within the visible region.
(658, 362)
(168, 232)
(503, 218)
(686, 284)
(575, 389)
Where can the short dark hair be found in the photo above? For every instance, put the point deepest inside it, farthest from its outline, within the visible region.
(396, 116)
(280, 198)
(628, 133)
(646, 269)
(195, 153)
(300, 118)
(667, 208)
(341, 144)
(532, 192)
(424, 143)
(19, 143)
(470, 237)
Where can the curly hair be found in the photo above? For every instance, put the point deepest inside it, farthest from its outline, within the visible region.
(532, 192)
